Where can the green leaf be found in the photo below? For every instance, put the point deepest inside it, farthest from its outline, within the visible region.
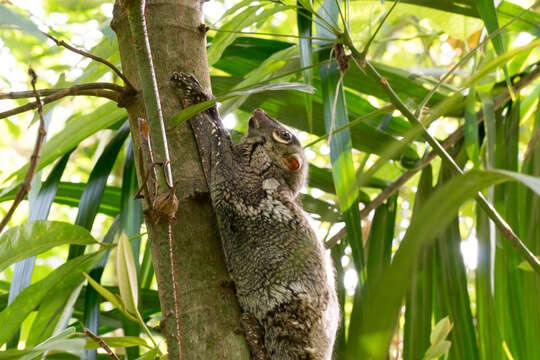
(486, 9)
(439, 210)
(193, 110)
(13, 315)
(35, 237)
(127, 275)
(441, 330)
(76, 130)
(266, 71)
(112, 298)
(39, 210)
(117, 341)
(13, 19)
(94, 189)
(471, 130)
(150, 354)
(419, 302)
(231, 29)
(304, 19)
(59, 342)
(453, 295)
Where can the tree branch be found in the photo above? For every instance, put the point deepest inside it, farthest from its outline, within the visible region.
(101, 342)
(34, 159)
(73, 90)
(440, 150)
(62, 43)
(61, 93)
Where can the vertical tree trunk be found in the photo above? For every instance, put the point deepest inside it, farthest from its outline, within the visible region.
(209, 312)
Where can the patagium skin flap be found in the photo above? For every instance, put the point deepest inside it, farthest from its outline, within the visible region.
(282, 275)
(284, 280)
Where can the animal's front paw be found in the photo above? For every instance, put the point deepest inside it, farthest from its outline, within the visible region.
(190, 87)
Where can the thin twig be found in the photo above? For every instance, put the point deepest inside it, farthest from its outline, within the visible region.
(34, 159)
(464, 59)
(101, 342)
(270, 34)
(383, 110)
(93, 57)
(383, 20)
(73, 90)
(108, 94)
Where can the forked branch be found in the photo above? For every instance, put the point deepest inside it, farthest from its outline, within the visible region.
(90, 89)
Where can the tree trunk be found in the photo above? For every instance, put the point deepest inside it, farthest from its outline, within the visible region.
(209, 311)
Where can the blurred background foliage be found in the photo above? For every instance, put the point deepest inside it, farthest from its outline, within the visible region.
(455, 289)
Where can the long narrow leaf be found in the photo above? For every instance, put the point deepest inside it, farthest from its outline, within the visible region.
(419, 300)
(35, 237)
(13, 315)
(438, 212)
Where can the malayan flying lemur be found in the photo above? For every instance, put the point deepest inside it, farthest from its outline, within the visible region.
(283, 278)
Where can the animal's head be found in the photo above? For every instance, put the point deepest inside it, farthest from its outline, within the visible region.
(280, 147)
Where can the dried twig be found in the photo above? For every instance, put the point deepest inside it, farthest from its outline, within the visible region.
(62, 43)
(499, 101)
(61, 93)
(34, 159)
(101, 342)
(74, 90)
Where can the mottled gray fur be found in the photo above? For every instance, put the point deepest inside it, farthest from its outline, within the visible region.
(280, 270)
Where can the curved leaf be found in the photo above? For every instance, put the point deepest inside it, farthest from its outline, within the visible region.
(13, 315)
(35, 237)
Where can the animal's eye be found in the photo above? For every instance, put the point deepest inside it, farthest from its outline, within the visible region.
(282, 136)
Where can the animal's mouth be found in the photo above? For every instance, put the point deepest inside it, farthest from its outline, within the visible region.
(292, 161)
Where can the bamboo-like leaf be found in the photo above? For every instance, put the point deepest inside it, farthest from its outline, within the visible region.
(529, 208)
(13, 315)
(489, 336)
(289, 108)
(419, 302)
(230, 30)
(471, 130)
(93, 191)
(80, 128)
(304, 19)
(193, 110)
(13, 19)
(432, 219)
(109, 296)
(341, 157)
(508, 277)
(131, 218)
(117, 342)
(39, 210)
(439, 345)
(35, 237)
(488, 13)
(127, 275)
(150, 354)
(265, 72)
(453, 299)
(335, 115)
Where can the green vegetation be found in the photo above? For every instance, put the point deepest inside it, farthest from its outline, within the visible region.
(421, 121)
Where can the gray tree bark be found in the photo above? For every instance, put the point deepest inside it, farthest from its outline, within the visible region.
(209, 311)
